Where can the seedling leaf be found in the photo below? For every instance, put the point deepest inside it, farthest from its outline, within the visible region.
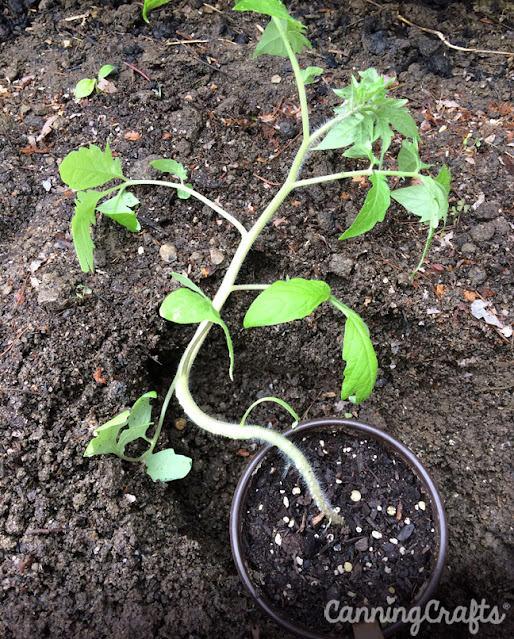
(184, 195)
(374, 208)
(170, 166)
(166, 465)
(361, 367)
(85, 87)
(106, 70)
(184, 306)
(87, 168)
(150, 5)
(85, 204)
(285, 301)
(118, 208)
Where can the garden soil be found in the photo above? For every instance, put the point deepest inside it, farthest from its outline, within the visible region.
(90, 547)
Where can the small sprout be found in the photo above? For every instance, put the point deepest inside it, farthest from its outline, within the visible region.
(89, 85)
(355, 496)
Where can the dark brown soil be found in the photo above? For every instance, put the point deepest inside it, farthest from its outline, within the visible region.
(79, 557)
(301, 562)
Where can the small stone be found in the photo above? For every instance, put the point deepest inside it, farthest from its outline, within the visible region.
(130, 498)
(296, 490)
(355, 496)
(405, 532)
(362, 545)
(340, 265)
(391, 510)
(488, 210)
(376, 534)
(278, 539)
(180, 423)
(422, 505)
(483, 232)
(477, 275)
(348, 567)
(468, 248)
(286, 502)
(217, 256)
(168, 253)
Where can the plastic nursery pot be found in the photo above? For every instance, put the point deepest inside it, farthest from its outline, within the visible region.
(383, 542)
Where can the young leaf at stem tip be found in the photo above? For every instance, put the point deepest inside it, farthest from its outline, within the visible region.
(285, 301)
(272, 40)
(310, 73)
(361, 368)
(85, 87)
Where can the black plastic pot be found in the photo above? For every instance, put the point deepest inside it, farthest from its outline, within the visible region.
(393, 446)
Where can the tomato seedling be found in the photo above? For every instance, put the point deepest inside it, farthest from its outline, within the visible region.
(87, 86)
(363, 127)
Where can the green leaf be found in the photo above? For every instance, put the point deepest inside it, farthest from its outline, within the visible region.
(267, 7)
(310, 73)
(118, 208)
(184, 195)
(106, 70)
(361, 368)
(444, 178)
(408, 158)
(276, 400)
(429, 201)
(87, 168)
(272, 40)
(401, 119)
(357, 129)
(149, 5)
(361, 150)
(107, 438)
(185, 281)
(285, 301)
(170, 166)
(166, 465)
(85, 87)
(184, 306)
(374, 208)
(85, 205)
(191, 306)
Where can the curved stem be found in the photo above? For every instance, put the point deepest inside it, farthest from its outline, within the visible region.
(182, 187)
(269, 436)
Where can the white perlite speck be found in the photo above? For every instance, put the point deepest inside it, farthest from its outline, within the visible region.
(391, 510)
(376, 535)
(355, 495)
(286, 502)
(296, 490)
(278, 539)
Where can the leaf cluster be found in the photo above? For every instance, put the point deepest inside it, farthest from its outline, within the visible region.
(132, 425)
(91, 167)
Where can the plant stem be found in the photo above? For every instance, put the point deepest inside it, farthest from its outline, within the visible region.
(182, 187)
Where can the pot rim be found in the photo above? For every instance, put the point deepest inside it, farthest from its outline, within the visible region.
(440, 524)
